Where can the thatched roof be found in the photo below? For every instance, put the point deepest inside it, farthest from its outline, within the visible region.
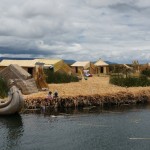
(22, 79)
(29, 63)
(84, 64)
(101, 63)
(48, 61)
(14, 72)
(22, 63)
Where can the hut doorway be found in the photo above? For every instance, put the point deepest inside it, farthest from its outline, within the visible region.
(30, 70)
(101, 70)
(76, 69)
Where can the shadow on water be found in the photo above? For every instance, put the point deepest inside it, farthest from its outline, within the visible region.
(13, 126)
(90, 110)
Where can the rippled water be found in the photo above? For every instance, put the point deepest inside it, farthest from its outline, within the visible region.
(87, 129)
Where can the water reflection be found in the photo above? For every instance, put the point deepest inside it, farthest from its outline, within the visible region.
(89, 110)
(13, 126)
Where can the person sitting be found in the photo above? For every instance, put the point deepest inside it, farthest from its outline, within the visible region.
(49, 96)
(55, 94)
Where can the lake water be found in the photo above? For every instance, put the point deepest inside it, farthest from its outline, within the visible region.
(126, 128)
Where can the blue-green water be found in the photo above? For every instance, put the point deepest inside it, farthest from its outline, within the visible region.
(88, 129)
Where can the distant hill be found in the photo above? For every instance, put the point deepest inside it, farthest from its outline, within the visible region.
(70, 62)
(108, 62)
(1, 58)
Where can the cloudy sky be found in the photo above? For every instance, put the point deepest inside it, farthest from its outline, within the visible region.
(114, 30)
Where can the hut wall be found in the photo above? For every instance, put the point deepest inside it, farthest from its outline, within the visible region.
(2, 67)
(107, 70)
(102, 70)
(73, 70)
(77, 70)
(97, 70)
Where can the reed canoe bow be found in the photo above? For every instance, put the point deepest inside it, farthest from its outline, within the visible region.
(14, 103)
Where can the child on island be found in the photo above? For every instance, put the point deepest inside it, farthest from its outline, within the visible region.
(49, 96)
(55, 94)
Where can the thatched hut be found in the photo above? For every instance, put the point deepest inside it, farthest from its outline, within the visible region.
(79, 66)
(22, 79)
(102, 67)
(58, 65)
(28, 65)
(14, 72)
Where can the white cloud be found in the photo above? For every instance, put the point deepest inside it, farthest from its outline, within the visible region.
(89, 29)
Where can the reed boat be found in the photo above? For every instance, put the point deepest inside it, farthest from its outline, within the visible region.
(13, 103)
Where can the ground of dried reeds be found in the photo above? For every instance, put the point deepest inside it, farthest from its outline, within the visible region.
(92, 86)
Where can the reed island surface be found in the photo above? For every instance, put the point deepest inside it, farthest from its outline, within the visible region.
(95, 91)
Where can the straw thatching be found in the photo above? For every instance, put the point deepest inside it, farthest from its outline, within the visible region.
(48, 61)
(58, 65)
(26, 86)
(22, 79)
(40, 78)
(101, 63)
(84, 64)
(22, 63)
(14, 72)
(28, 65)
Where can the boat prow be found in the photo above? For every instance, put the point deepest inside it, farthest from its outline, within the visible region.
(13, 104)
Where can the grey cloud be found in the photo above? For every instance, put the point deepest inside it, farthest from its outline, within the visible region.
(8, 50)
(123, 7)
(84, 30)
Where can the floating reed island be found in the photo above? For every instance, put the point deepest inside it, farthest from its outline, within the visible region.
(96, 91)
